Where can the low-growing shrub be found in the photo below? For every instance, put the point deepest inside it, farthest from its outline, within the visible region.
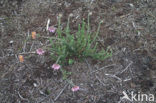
(67, 46)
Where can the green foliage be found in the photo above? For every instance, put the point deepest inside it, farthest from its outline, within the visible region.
(70, 61)
(65, 74)
(68, 46)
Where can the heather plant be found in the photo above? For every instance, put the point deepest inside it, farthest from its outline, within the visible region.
(81, 44)
(68, 46)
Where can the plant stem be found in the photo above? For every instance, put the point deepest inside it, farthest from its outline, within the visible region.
(58, 59)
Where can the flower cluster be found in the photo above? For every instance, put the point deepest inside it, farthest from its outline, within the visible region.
(40, 51)
(75, 88)
(52, 29)
(33, 35)
(21, 58)
(56, 66)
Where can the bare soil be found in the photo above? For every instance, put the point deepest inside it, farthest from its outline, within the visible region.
(129, 29)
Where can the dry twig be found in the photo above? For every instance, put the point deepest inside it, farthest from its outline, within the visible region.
(103, 68)
(60, 92)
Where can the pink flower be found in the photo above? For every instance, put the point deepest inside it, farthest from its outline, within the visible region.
(52, 29)
(40, 51)
(56, 66)
(75, 88)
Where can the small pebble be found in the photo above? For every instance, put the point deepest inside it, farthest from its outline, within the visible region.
(11, 42)
(131, 5)
(35, 85)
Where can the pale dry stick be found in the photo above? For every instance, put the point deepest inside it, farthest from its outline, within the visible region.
(137, 49)
(31, 46)
(26, 42)
(23, 53)
(114, 76)
(2, 33)
(24, 47)
(150, 14)
(103, 68)
(133, 24)
(26, 65)
(56, 96)
(100, 80)
(22, 97)
(123, 16)
(125, 68)
(61, 92)
(127, 79)
(47, 26)
(88, 64)
(41, 82)
(20, 68)
(131, 74)
(40, 43)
